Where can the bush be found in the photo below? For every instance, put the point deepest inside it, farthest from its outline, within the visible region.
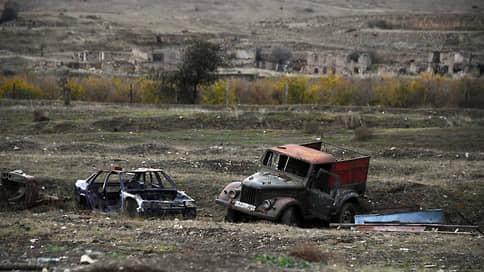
(362, 133)
(40, 115)
(312, 127)
(19, 88)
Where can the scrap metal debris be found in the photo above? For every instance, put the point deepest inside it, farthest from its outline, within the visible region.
(20, 190)
(416, 221)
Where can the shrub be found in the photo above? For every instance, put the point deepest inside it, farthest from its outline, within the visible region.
(18, 88)
(216, 94)
(40, 115)
(362, 133)
(77, 91)
(312, 127)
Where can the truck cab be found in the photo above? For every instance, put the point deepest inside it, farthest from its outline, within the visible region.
(296, 183)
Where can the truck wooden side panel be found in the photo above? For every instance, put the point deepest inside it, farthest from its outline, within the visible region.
(350, 172)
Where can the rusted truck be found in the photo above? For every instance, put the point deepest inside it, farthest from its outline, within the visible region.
(300, 183)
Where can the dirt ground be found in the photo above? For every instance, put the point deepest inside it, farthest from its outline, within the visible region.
(420, 159)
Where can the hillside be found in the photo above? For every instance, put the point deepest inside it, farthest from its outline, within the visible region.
(128, 37)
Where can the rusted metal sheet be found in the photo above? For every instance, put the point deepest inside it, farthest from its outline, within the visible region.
(391, 228)
(303, 153)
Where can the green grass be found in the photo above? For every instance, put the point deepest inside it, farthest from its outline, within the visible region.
(54, 248)
(284, 262)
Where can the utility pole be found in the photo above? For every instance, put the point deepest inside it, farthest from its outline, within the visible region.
(227, 94)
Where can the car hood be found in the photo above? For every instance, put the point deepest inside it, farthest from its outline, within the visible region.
(265, 178)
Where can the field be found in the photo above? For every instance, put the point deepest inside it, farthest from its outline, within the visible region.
(420, 159)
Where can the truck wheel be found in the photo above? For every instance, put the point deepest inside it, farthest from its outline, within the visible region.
(347, 213)
(129, 208)
(289, 217)
(232, 216)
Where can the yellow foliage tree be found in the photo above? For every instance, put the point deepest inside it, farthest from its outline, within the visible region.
(216, 94)
(19, 88)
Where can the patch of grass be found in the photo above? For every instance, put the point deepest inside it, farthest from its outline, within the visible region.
(54, 248)
(286, 262)
(117, 255)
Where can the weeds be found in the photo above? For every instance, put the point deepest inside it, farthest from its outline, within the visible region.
(309, 253)
(117, 255)
(286, 262)
(52, 248)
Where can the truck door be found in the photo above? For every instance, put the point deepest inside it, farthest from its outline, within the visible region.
(319, 200)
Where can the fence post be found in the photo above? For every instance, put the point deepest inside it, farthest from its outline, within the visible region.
(13, 91)
(131, 93)
(286, 94)
(227, 94)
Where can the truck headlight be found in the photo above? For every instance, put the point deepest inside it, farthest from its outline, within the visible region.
(267, 204)
(233, 193)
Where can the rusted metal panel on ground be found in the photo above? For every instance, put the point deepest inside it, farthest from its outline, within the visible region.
(427, 216)
(19, 189)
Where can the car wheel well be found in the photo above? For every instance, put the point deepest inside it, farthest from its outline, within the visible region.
(129, 208)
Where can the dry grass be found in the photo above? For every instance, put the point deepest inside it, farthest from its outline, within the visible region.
(310, 253)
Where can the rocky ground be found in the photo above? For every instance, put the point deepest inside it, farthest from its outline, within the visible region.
(420, 159)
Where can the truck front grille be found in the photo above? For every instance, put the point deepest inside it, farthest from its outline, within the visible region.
(248, 195)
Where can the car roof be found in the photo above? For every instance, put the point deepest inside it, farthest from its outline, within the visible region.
(139, 170)
(303, 153)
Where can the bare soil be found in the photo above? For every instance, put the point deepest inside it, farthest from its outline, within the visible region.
(420, 159)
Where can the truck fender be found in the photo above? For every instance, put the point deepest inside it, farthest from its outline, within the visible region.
(224, 195)
(280, 204)
(345, 197)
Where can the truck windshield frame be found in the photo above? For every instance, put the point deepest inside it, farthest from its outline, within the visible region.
(284, 164)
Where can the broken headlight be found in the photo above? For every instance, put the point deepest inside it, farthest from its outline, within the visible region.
(233, 193)
(267, 204)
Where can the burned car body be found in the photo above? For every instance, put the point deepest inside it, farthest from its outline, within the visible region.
(142, 192)
(296, 183)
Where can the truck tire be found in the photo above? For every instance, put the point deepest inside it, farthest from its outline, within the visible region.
(290, 217)
(347, 213)
(232, 216)
(129, 208)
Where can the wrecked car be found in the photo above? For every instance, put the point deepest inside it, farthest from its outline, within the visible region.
(142, 192)
(19, 189)
(297, 183)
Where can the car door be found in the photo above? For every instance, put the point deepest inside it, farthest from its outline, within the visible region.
(94, 190)
(110, 194)
(319, 201)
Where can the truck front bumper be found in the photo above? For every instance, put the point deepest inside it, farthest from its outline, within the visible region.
(246, 208)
